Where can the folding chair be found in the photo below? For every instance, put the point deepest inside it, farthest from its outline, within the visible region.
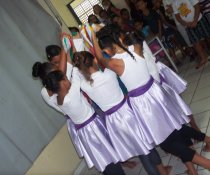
(162, 48)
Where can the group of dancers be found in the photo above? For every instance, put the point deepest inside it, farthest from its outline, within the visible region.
(151, 113)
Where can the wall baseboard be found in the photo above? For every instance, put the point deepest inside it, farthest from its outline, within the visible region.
(81, 169)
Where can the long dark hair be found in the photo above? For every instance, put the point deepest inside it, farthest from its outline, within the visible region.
(110, 35)
(52, 80)
(83, 61)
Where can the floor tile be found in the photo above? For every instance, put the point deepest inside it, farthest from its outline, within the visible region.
(202, 119)
(192, 72)
(201, 93)
(203, 82)
(161, 152)
(200, 106)
(191, 87)
(187, 97)
(193, 77)
(178, 166)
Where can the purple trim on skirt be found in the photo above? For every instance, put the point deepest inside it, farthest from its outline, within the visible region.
(141, 90)
(115, 108)
(79, 126)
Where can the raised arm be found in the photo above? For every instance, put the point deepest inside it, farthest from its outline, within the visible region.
(74, 93)
(116, 65)
(63, 61)
(98, 51)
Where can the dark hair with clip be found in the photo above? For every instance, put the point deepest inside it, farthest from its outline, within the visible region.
(83, 61)
(52, 50)
(52, 80)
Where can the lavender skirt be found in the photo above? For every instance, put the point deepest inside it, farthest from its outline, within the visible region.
(177, 99)
(171, 78)
(156, 112)
(94, 144)
(74, 138)
(124, 132)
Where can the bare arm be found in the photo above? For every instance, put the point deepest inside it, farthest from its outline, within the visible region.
(179, 19)
(116, 65)
(196, 16)
(166, 22)
(63, 61)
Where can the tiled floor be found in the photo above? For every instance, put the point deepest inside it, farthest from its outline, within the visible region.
(198, 97)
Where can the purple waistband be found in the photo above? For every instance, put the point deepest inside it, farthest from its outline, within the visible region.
(115, 108)
(79, 126)
(141, 90)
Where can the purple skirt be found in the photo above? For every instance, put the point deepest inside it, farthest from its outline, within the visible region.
(171, 78)
(177, 99)
(156, 112)
(124, 132)
(94, 144)
(74, 138)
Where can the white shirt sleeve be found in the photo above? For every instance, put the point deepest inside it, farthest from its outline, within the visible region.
(46, 98)
(150, 60)
(69, 68)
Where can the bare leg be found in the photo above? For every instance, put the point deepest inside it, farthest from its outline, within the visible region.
(202, 161)
(129, 164)
(191, 169)
(164, 170)
(207, 146)
(201, 54)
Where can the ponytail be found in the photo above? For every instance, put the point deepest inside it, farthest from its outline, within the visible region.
(117, 41)
(41, 69)
(83, 61)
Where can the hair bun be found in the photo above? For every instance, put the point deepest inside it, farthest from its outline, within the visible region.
(36, 69)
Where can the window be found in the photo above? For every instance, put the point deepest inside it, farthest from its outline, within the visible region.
(81, 10)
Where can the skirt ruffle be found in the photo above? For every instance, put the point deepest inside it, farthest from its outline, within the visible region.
(125, 135)
(74, 138)
(171, 78)
(93, 143)
(174, 95)
(158, 115)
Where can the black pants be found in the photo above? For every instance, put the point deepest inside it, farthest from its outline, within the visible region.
(176, 143)
(150, 162)
(114, 169)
